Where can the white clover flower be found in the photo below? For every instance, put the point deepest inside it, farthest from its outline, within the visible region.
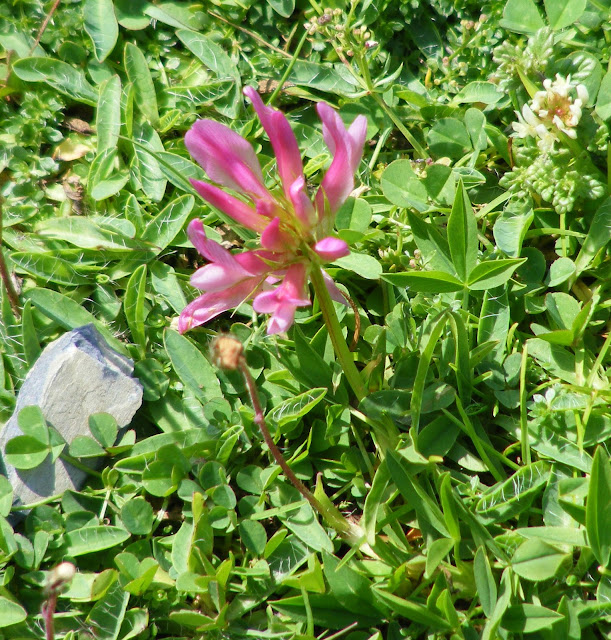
(552, 111)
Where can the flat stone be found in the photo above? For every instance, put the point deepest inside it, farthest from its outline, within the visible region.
(75, 376)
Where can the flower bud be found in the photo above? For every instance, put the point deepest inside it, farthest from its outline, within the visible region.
(227, 352)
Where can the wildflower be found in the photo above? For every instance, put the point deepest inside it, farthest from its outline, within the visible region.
(294, 231)
(551, 111)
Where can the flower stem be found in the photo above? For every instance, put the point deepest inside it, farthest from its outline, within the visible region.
(325, 508)
(335, 332)
(13, 296)
(289, 68)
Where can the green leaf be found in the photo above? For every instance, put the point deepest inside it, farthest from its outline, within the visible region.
(165, 283)
(108, 114)
(351, 589)
(536, 561)
(502, 603)
(493, 273)
(528, 618)
(87, 234)
(6, 496)
(449, 137)
(59, 75)
(178, 170)
(522, 16)
(292, 409)
(425, 281)
(284, 8)
(139, 75)
(130, 14)
(50, 267)
(555, 535)
(514, 495)
(192, 367)
(560, 271)
(314, 76)
(11, 612)
(107, 176)
(253, 535)
(305, 526)
(484, 581)
(462, 235)
(101, 26)
(107, 614)
(598, 508)
(145, 167)
(164, 227)
(599, 234)
(412, 610)
(92, 539)
(354, 214)
(478, 91)
(26, 452)
(32, 422)
(214, 57)
(434, 247)
(69, 314)
(510, 229)
(362, 264)
(563, 14)
(134, 309)
(103, 428)
(137, 516)
(427, 510)
(436, 552)
(402, 187)
(85, 447)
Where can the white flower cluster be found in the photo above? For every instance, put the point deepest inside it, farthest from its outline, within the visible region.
(550, 112)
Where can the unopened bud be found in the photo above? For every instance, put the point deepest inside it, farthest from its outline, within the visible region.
(370, 44)
(324, 19)
(227, 352)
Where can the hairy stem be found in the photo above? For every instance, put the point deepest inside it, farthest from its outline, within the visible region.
(278, 457)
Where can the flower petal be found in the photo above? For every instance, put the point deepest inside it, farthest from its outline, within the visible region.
(274, 239)
(238, 210)
(210, 305)
(209, 249)
(217, 277)
(302, 205)
(330, 248)
(282, 319)
(334, 292)
(282, 138)
(347, 148)
(226, 157)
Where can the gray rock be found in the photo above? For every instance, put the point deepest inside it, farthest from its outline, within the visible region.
(76, 376)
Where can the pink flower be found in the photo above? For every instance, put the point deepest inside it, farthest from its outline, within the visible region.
(294, 231)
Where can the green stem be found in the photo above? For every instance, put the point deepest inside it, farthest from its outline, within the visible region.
(420, 152)
(335, 333)
(289, 68)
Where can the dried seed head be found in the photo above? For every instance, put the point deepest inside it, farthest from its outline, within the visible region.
(227, 352)
(61, 576)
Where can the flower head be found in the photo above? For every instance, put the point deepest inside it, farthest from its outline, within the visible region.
(551, 111)
(294, 230)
